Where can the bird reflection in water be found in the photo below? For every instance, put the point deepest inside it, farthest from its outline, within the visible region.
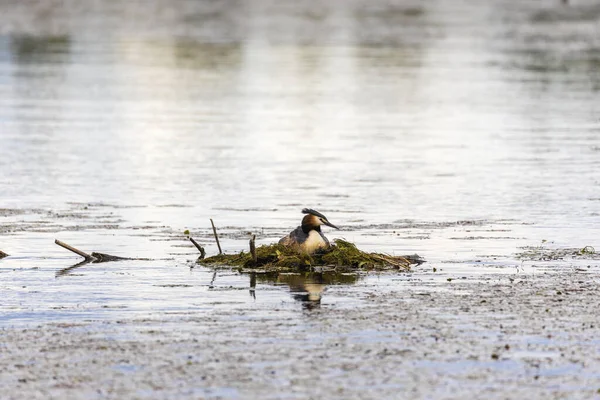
(308, 288)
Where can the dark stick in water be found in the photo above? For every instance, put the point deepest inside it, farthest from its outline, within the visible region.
(253, 249)
(200, 248)
(216, 237)
(3, 254)
(74, 250)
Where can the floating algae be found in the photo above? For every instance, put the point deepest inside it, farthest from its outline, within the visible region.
(341, 256)
(542, 253)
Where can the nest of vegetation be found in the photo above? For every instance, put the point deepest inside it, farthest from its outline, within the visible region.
(342, 256)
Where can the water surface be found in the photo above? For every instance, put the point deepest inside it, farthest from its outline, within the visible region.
(460, 131)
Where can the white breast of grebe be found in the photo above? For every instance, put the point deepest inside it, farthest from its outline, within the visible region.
(313, 241)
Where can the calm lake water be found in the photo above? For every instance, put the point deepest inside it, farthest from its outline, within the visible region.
(458, 130)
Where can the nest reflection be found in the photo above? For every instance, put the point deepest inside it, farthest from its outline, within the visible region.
(308, 288)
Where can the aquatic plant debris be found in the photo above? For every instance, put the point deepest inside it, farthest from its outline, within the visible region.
(341, 256)
(542, 253)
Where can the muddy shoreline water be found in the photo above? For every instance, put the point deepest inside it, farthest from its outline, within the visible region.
(500, 326)
(491, 336)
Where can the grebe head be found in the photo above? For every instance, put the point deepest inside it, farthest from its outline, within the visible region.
(313, 220)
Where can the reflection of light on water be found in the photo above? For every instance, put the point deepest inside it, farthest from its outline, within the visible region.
(371, 113)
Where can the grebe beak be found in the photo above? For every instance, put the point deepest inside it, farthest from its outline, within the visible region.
(330, 224)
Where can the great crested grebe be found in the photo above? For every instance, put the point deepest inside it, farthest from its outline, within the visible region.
(308, 236)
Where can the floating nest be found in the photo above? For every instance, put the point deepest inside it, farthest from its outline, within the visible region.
(342, 256)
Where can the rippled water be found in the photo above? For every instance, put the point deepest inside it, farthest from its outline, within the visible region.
(457, 130)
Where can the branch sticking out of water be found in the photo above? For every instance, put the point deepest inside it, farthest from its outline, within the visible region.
(200, 248)
(99, 258)
(3, 254)
(87, 256)
(95, 257)
(216, 236)
(253, 249)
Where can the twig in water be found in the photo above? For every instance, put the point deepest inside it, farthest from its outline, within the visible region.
(200, 248)
(95, 257)
(253, 249)
(3, 254)
(216, 236)
(74, 250)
